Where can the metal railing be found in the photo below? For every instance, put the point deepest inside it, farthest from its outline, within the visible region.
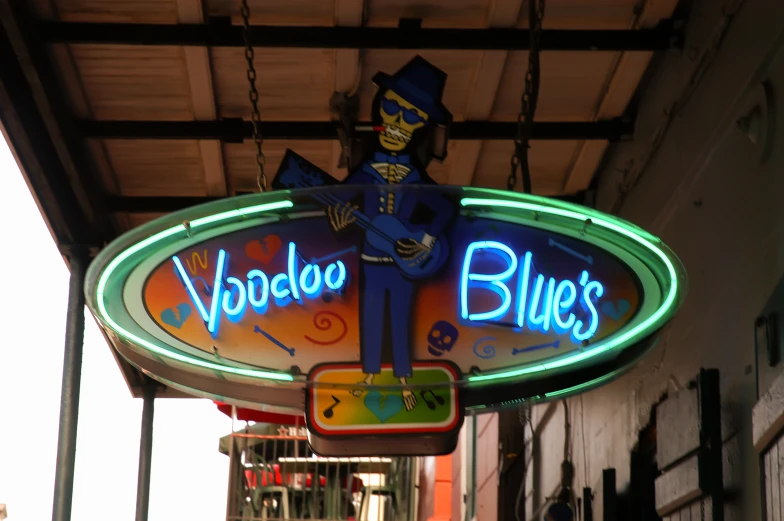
(275, 476)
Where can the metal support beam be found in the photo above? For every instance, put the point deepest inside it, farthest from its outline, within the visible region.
(145, 454)
(219, 32)
(236, 130)
(69, 397)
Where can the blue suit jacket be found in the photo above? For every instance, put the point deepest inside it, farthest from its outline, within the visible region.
(432, 212)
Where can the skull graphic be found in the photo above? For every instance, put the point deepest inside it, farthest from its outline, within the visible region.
(400, 119)
(442, 338)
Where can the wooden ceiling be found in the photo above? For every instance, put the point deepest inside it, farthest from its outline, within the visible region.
(108, 82)
(91, 188)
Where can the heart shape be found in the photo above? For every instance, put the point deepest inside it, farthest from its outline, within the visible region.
(383, 406)
(263, 250)
(616, 310)
(176, 316)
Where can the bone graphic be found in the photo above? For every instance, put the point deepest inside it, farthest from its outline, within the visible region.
(553, 242)
(289, 350)
(517, 351)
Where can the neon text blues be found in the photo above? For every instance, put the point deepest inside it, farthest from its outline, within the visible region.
(540, 303)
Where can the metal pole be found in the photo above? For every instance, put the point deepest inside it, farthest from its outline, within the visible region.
(145, 454)
(69, 395)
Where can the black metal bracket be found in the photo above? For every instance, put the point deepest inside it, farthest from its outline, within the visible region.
(609, 495)
(219, 32)
(765, 336)
(710, 451)
(237, 130)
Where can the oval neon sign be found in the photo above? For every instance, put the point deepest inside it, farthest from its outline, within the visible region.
(526, 297)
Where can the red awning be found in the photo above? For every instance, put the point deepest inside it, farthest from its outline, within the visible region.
(251, 415)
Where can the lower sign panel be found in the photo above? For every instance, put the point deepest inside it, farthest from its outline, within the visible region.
(347, 415)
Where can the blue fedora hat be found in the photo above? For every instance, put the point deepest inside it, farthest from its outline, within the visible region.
(420, 83)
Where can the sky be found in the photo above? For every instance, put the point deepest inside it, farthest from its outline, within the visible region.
(189, 475)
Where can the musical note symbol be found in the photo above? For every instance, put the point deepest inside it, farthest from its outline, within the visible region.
(289, 350)
(430, 405)
(328, 412)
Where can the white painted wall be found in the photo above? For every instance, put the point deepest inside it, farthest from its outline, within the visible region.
(707, 196)
(487, 467)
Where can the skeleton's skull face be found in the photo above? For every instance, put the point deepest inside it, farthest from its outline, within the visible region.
(442, 338)
(400, 119)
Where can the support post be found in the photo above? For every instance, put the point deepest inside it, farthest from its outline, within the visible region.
(145, 454)
(69, 396)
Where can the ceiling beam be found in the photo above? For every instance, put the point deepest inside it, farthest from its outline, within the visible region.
(622, 81)
(197, 61)
(221, 33)
(487, 79)
(237, 130)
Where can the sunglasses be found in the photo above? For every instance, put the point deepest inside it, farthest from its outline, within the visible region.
(392, 108)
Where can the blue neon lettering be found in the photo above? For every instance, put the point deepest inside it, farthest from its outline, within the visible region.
(235, 312)
(541, 302)
(493, 281)
(335, 284)
(522, 295)
(231, 295)
(275, 285)
(293, 271)
(314, 288)
(562, 304)
(260, 304)
(186, 280)
(220, 272)
(587, 302)
(541, 321)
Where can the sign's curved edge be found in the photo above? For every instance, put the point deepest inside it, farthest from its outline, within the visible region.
(619, 341)
(183, 222)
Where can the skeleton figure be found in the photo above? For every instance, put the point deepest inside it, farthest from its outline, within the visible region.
(406, 103)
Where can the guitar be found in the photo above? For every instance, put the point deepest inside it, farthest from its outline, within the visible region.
(383, 232)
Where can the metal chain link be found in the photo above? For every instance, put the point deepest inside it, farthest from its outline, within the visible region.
(528, 100)
(253, 95)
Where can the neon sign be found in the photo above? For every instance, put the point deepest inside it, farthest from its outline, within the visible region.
(256, 287)
(508, 288)
(540, 307)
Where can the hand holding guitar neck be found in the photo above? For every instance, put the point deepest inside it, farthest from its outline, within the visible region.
(410, 249)
(341, 215)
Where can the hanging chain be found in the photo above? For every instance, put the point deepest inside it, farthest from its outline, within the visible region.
(253, 95)
(528, 101)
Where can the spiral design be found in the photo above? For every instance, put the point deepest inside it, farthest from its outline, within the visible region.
(323, 322)
(487, 351)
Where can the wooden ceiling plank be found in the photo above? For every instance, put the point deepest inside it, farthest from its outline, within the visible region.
(348, 13)
(487, 79)
(587, 158)
(622, 81)
(197, 60)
